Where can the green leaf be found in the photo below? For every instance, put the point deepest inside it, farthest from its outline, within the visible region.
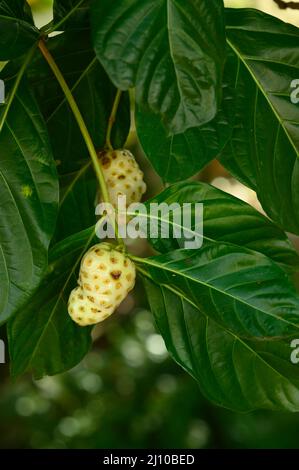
(42, 337)
(77, 202)
(263, 152)
(93, 92)
(71, 14)
(241, 290)
(16, 9)
(177, 157)
(172, 51)
(17, 32)
(29, 200)
(225, 219)
(234, 372)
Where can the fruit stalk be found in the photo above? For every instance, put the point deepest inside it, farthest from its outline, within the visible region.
(112, 119)
(80, 121)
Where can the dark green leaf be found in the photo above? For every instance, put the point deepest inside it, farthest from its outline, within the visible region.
(225, 219)
(77, 202)
(16, 9)
(177, 157)
(17, 32)
(29, 197)
(42, 336)
(172, 51)
(234, 372)
(263, 152)
(93, 92)
(241, 290)
(73, 13)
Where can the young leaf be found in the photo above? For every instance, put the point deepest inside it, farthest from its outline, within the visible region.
(264, 149)
(172, 51)
(240, 289)
(29, 200)
(225, 219)
(237, 373)
(177, 157)
(93, 92)
(42, 337)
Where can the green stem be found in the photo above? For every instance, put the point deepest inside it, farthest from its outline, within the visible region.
(79, 118)
(80, 121)
(15, 87)
(112, 119)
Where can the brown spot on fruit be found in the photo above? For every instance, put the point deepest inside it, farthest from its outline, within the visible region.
(115, 275)
(105, 161)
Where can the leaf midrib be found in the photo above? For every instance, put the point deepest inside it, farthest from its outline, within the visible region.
(151, 262)
(236, 338)
(260, 87)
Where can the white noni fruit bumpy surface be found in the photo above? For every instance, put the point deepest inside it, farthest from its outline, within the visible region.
(106, 277)
(122, 175)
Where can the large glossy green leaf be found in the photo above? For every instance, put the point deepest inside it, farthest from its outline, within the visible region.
(176, 157)
(239, 289)
(225, 219)
(29, 199)
(93, 92)
(42, 337)
(17, 32)
(234, 372)
(172, 51)
(263, 152)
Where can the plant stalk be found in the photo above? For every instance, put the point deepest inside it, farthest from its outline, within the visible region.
(112, 119)
(80, 121)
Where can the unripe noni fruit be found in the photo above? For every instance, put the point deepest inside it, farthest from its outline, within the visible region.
(106, 277)
(122, 175)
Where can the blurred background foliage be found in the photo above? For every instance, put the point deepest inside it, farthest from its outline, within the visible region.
(127, 392)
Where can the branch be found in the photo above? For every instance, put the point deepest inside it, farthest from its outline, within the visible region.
(284, 5)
